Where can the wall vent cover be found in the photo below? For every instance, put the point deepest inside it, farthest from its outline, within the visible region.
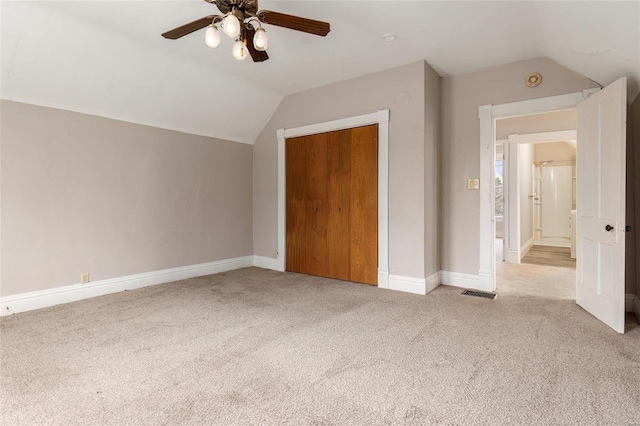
(480, 294)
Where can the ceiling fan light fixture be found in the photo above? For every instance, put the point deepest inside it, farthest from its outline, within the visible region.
(260, 40)
(231, 25)
(239, 50)
(241, 20)
(212, 36)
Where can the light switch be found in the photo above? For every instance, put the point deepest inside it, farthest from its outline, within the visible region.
(473, 184)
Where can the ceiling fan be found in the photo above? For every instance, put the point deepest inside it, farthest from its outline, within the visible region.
(236, 22)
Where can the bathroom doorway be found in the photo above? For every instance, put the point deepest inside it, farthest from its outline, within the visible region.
(535, 203)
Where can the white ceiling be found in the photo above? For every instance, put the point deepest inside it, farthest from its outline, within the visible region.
(107, 57)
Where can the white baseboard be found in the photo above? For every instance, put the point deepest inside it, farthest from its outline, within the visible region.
(485, 281)
(44, 298)
(513, 256)
(41, 299)
(383, 278)
(552, 243)
(432, 282)
(457, 279)
(414, 285)
(526, 247)
(407, 284)
(268, 263)
(628, 302)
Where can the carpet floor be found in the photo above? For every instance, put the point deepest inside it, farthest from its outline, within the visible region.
(260, 347)
(538, 281)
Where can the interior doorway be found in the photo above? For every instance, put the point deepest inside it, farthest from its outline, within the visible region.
(487, 115)
(601, 218)
(535, 203)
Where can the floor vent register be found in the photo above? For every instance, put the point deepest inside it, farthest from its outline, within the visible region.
(480, 294)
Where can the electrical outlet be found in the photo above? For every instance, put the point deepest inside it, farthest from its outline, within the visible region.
(473, 184)
(274, 254)
(84, 278)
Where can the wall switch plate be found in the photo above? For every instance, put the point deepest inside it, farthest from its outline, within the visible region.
(473, 184)
(84, 278)
(274, 254)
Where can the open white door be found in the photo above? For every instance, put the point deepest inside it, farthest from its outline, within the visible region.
(601, 200)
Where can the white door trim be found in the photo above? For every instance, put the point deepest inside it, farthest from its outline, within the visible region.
(548, 137)
(512, 197)
(514, 249)
(381, 118)
(543, 137)
(487, 114)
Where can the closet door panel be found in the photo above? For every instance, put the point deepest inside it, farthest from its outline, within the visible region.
(295, 204)
(339, 193)
(316, 205)
(364, 205)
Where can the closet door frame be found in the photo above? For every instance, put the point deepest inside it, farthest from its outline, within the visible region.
(381, 118)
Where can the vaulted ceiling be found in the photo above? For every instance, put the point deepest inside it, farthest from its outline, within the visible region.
(107, 57)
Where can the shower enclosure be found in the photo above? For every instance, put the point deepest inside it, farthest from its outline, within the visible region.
(554, 198)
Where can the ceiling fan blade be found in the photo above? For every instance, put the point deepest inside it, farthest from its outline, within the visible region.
(257, 55)
(294, 22)
(188, 28)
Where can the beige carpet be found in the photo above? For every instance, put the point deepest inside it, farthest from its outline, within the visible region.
(550, 256)
(262, 347)
(538, 281)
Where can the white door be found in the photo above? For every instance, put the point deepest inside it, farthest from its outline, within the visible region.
(601, 204)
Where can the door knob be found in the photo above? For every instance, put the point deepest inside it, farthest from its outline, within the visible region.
(316, 209)
(627, 228)
(609, 228)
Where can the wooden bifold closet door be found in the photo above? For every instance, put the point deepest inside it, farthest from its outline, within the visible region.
(332, 204)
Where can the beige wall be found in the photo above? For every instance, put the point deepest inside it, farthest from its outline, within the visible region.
(555, 151)
(461, 96)
(87, 194)
(402, 90)
(432, 160)
(547, 122)
(525, 181)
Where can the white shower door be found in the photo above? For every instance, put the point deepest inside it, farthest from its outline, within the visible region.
(557, 199)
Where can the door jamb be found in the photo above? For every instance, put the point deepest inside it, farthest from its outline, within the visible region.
(488, 114)
(512, 200)
(513, 249)
(381, 118)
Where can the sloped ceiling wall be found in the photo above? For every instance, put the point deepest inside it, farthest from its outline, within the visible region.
(107, 58)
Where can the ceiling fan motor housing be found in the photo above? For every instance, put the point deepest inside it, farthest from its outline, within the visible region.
(241, 8)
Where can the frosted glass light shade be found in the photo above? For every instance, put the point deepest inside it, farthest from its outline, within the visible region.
(212, 36)
(239, 50)
(231, 25)
(260, 40)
